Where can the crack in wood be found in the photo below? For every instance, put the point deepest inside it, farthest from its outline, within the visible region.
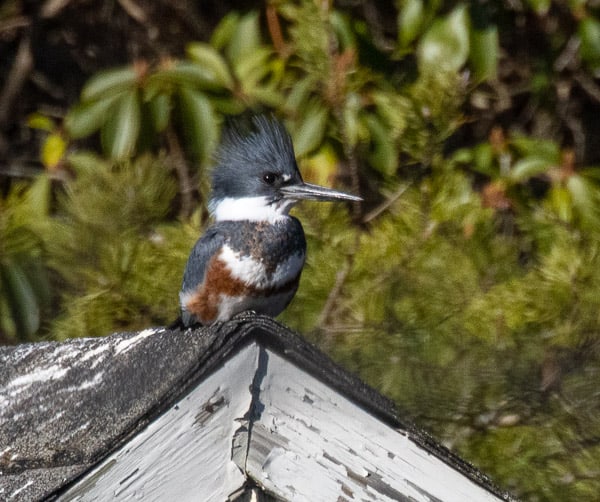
(240, 448)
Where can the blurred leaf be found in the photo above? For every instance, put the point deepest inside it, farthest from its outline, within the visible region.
(199, 123)
(321, 167)
(187, 74)
(589, 34)
(480, 158)
(527, 167)
(309, 134)
(410, 20)
(120, 133)
(343, 28)
(208, 58)
(446, 43)
(160, 111)
(351, 123)
(463, 156)
(585, 195)
(87, 161)
(228, 105)
(536, 147)
(267, 95)
(109, 82)
(224, 31)
(560, 201)
(299, 93)
(84, 119)
(42, 122)
(253, 67)
(53, 149)
(392, 107)
(540, 6)
(38, 197)
(384, 156)
(484, 53)
(20, 297)
(245, 39)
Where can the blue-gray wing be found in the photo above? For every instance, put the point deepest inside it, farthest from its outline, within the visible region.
(195, 270)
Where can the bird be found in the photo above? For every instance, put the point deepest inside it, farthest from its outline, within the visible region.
(252, 256)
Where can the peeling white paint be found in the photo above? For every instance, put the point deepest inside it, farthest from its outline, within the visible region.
(334, 448)
(186, 453)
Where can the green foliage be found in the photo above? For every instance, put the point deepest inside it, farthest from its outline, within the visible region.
(112, 224)
(132, 106)
(589, 35)
(24, 288)
(117, 103)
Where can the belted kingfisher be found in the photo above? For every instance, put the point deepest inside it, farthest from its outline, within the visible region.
(252, 257)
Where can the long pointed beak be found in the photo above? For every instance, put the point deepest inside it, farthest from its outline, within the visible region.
(308, 191)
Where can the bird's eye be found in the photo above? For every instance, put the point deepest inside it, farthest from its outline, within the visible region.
(269, 178)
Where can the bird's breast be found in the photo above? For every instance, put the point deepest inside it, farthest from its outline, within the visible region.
(257, 268)
(263, 254)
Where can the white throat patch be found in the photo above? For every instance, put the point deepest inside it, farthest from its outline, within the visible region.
(249, 209)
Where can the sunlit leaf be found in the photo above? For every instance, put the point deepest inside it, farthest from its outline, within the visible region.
(188, 74)
(309, 134)
(463, 156)
(446, 43)
(560, 201)
(120, 133)
(224, 31)
(585, 194)
(108, 82)
(537, 147)
(267, 95)
(39, 121)
(208, 58)
(484, 52)
(320, 167)
(483, 160)
(245, 39)
(254, 67)
(300, 93)
(84, 119)
(53, 150)
(528, 167)
(410, 19)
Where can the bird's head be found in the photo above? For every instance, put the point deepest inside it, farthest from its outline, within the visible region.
(256, 176)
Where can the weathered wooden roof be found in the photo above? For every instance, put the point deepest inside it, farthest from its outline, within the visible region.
(210, 414)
